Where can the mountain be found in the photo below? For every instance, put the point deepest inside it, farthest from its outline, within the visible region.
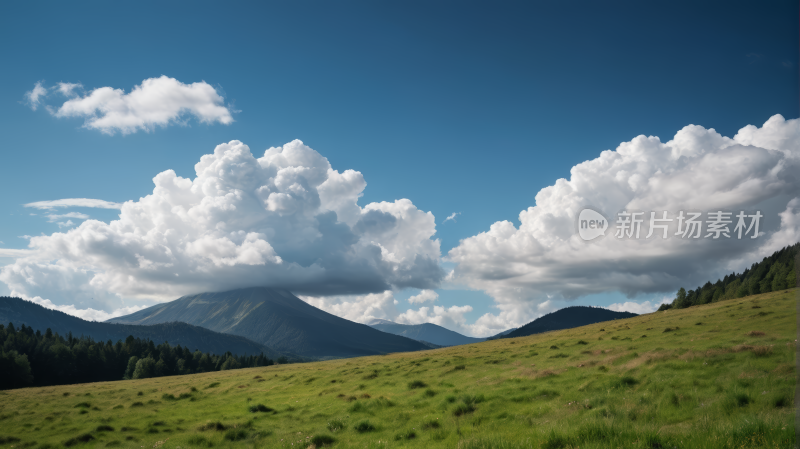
(502, 334)
(426, 332)
(567, 318)
(278, 319)
(19, 311)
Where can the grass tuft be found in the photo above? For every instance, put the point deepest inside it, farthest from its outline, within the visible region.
(555, 441)
(431, 424)
(405, 435)
(322, 440)
(199, 441)
(236, 435)
(260, 408)
(336, 425)
(364, 426)
(213, 426)
(85, 438)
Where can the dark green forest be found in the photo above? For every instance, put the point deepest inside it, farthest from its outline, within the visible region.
(774, 273)
(30, 358)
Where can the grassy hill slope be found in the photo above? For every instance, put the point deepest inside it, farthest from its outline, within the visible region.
(720, 375)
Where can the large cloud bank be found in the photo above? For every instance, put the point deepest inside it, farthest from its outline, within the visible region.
(544, 259)
(289, 220)
(286, 219)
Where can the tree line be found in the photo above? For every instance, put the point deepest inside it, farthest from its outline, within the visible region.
(31, 358)
(774, 273)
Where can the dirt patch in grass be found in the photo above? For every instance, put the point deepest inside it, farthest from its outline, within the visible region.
(759, 351)
(784, 369)
(547, 373)
(755, 334)
(647, 358)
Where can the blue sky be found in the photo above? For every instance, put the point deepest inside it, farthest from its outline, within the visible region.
(468, 107)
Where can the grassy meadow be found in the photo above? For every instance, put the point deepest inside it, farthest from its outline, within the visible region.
(720, 375)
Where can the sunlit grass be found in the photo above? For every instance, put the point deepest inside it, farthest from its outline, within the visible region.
(715, 376)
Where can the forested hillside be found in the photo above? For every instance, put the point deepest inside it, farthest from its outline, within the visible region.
(567, 318)
(33, 358)
(774, 273)
(19, 311)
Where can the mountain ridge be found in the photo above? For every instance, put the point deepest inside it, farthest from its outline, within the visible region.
(427, 332)
(566, 318)
(278, 319)
(20, 311)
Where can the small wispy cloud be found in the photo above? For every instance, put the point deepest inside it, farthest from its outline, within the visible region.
(55, 217)
(26, 237)
(34, 97)
(68, 89)
(65, 224)
(74, 202)
(15, 253)
(452, 217)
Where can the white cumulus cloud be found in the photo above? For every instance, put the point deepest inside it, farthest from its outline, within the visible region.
(639, 307)
(156, 102)
(523, 266)
(286, 219)
(366, 308)
(424, 296)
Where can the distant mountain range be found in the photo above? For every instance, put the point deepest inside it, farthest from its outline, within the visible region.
(568, 318)
(502, 334)
(277, 319)
(19, 311)
(426, 332)
(433, 334)
(275, 322)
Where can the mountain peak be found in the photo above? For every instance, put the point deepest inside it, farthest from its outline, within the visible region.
(278, 319)
(377, 321)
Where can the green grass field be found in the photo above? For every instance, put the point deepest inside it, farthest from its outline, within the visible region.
(715, 376)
